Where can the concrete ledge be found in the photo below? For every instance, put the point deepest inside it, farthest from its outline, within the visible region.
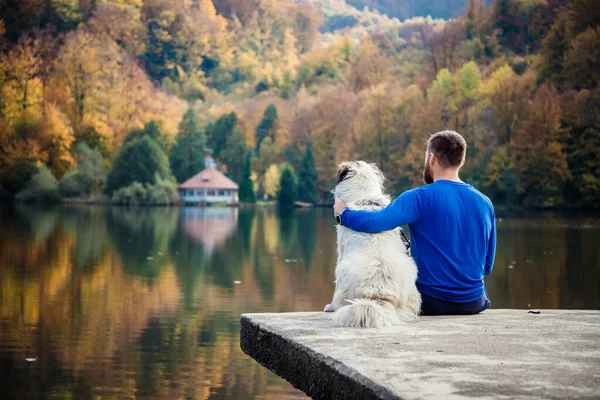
(497, 354)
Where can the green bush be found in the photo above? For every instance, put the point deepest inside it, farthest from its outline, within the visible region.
(140, 160)
(75, 184)
(163, 192)
(41, 188)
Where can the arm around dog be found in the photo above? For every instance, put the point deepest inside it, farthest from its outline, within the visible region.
(406, 209)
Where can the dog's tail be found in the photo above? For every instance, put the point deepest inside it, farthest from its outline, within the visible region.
(371, 313)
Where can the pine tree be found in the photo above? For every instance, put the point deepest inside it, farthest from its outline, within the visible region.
(288, 187)
(307, 185)
(266, 128)
(219, 133)
(246, 186)
(187, 156)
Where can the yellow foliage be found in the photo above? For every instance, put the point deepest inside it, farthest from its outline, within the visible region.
(272, 181)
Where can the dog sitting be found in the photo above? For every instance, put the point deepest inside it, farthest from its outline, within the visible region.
(375, 277)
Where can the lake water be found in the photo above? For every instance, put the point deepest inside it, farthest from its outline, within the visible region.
(116, 303)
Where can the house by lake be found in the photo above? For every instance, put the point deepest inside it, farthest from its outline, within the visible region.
(209, 186)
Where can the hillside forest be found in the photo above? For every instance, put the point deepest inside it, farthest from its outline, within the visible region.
(123, 99)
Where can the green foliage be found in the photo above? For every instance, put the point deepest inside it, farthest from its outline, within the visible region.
(75, 184)
(246, 190)
(140, 160)
(288, 187)
(152, 130)
(188, 153)
(163, 192)
(266, 127)
(91, 166)
(220, 133)
(308, 176)
(231, 155)
(40, 189)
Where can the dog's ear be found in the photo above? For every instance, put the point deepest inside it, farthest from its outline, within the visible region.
(345, 171)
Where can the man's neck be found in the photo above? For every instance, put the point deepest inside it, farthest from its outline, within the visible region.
(447, 175)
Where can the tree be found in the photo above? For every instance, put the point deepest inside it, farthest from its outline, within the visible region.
(267, 126)
(246, 191)
(555, 46)
(467, 82)
(308, 177)
(152, 130)
(91, 165)
(441, 41)
(272, 181)
(220, 132)
(232, 155)
(188, 153)
(288, 187)
(582, 61)
(140, 160)
(541, 164)
(369, 67)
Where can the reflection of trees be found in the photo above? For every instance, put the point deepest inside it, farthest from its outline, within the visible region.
(288, 232)
(109, 330)
(307, 234)
(554, 265)
(88, 226)
(141, 237)
(583, 260)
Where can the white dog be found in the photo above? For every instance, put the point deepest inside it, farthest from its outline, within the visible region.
(375, 277)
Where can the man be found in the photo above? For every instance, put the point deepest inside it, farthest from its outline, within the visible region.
(452, 228)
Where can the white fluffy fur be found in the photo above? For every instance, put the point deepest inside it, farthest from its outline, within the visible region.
(375, 277)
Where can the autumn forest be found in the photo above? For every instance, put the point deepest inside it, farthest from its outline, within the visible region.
(121, 99)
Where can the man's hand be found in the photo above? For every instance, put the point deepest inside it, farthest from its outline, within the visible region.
(338, 207)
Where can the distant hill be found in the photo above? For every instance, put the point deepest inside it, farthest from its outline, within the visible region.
(405, 9)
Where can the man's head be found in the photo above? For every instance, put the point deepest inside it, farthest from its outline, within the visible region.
(445, 151)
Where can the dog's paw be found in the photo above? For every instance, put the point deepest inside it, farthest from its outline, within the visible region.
(329, 308)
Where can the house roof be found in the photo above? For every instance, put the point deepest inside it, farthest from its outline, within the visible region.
(209, 178)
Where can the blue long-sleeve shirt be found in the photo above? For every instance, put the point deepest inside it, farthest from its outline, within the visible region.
(453, 236)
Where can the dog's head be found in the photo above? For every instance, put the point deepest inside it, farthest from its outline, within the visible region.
(359, 182)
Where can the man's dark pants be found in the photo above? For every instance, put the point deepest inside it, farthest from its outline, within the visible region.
(432, 306)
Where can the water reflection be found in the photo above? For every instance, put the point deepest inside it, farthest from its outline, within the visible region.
(144, 303)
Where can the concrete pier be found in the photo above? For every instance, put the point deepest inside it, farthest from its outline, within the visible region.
(499, 354)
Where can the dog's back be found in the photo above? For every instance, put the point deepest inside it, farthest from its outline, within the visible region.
(378, 278)
(375, 277)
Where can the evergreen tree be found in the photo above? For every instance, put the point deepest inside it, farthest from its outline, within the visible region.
(233, 155)
(219, 133)
(246, 191)
(307, 184)
(152, 130)
(288, 187)
(140, 160)
(266, 127)
(188, 153)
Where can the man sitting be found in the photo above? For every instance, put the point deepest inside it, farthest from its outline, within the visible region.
(452, 228)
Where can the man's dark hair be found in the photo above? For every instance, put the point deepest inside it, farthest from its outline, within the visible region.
(449, 148)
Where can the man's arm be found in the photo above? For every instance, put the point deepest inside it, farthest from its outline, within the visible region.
(405, 209)
(491, 248)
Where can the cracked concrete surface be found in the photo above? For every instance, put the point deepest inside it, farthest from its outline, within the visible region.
(499, 354)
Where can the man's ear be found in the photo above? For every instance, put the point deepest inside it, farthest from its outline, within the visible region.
(463, 162)
(432, 159)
